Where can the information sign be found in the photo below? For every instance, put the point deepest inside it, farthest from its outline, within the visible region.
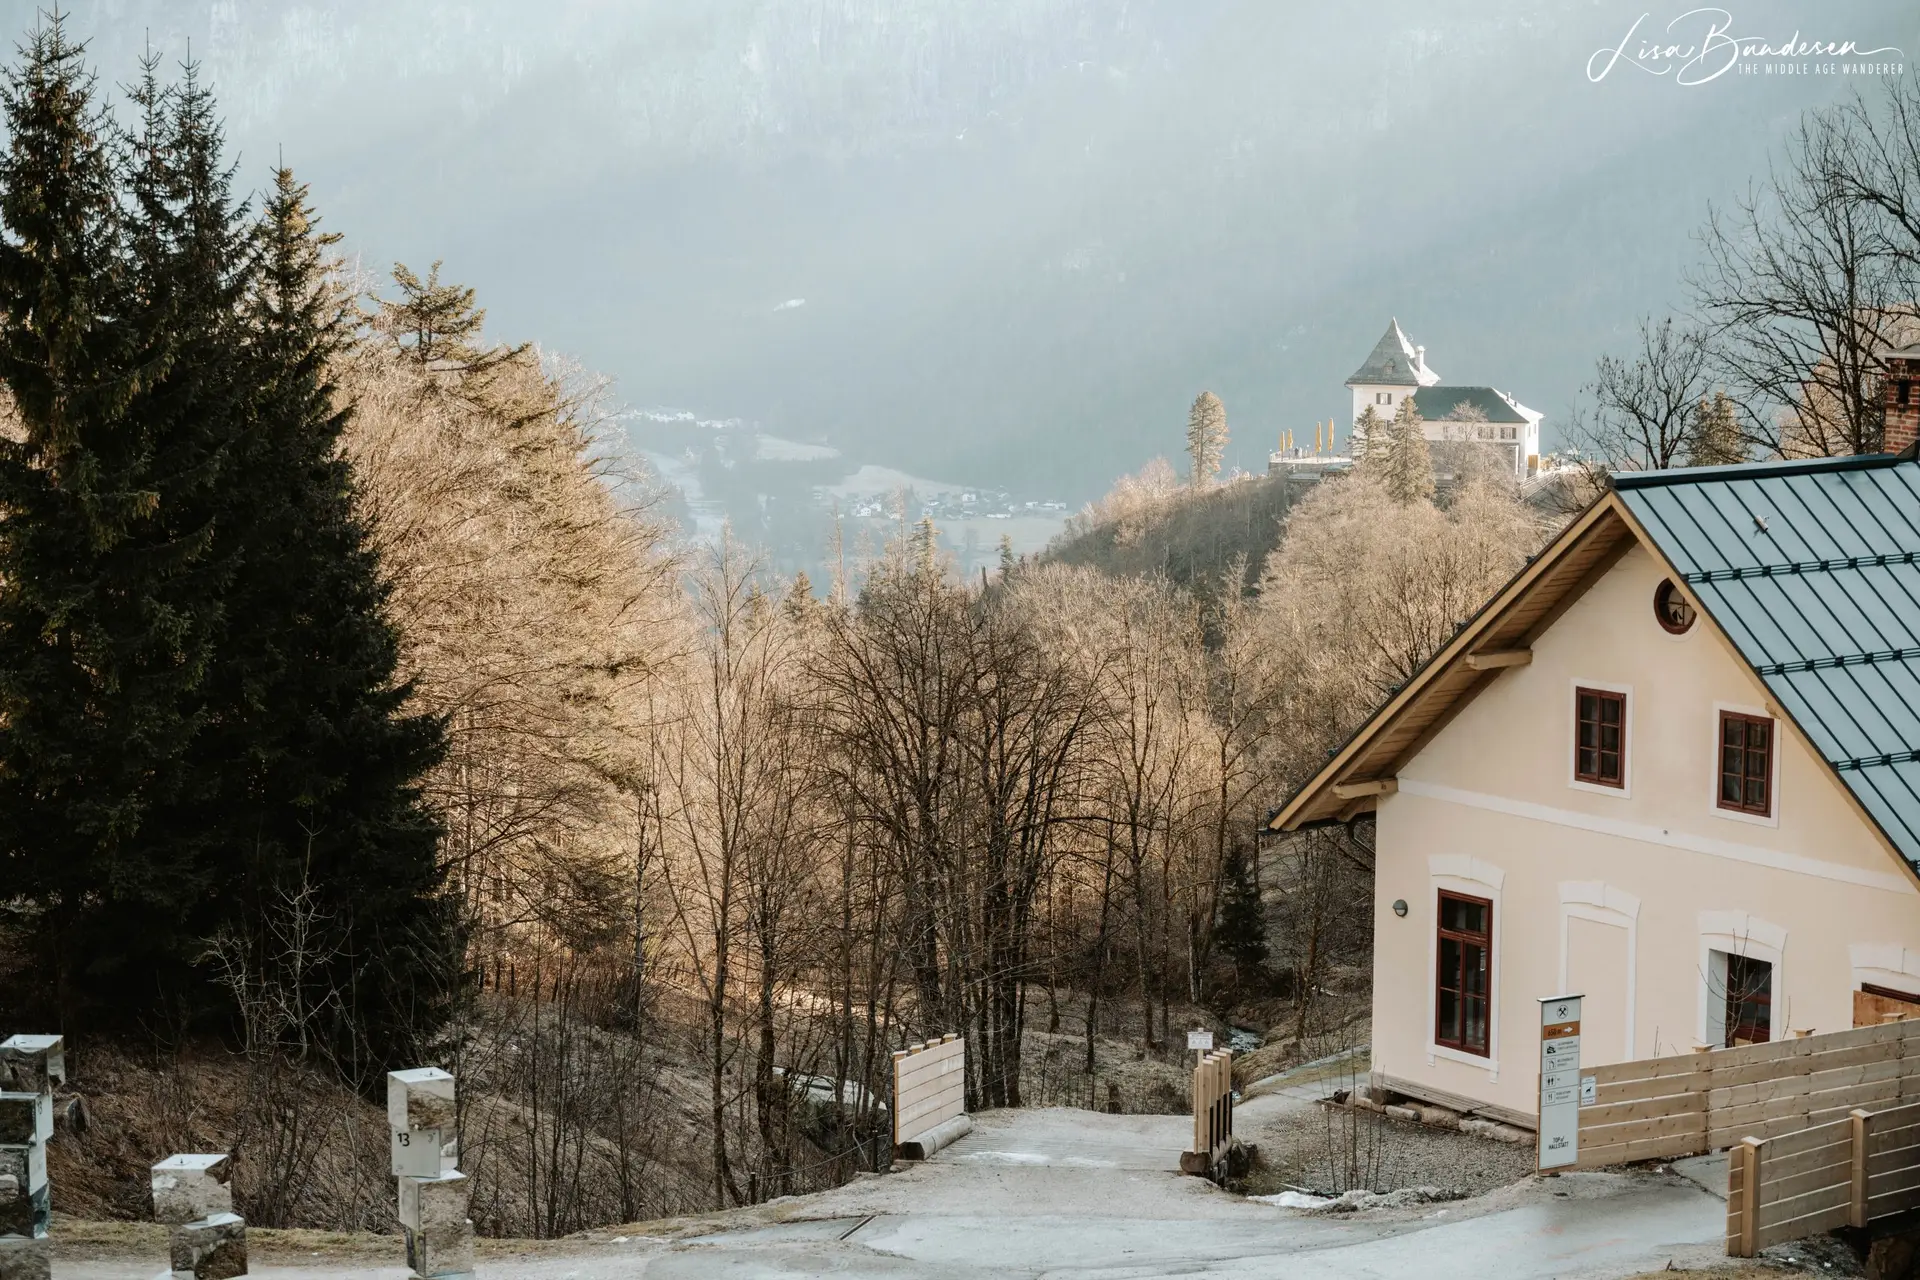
(1562, 1089)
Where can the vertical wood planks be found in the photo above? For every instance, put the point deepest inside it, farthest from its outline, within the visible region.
(1862, 1124)
(1749, 1150)
(1212, 1112)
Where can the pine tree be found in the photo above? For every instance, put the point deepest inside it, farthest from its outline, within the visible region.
(1408, 465)
(1206, 438)
(1242, 928)
(320, 758)
(926, 544)
(1714, 436)
(800, 602)
(191, 265)
(1367, 442)
(1008, 562)
(108, 599)
(439, 324)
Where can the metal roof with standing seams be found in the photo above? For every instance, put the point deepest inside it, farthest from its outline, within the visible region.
(1812, 569)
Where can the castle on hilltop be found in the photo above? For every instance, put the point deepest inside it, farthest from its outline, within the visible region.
(1397, 370)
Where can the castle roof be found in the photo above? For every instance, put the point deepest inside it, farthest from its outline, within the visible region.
(1394, 363)
(1439, 404)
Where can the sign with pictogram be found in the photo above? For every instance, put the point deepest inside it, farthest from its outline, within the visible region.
(1561, 1088)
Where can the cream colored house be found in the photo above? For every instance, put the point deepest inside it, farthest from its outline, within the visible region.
(1671, 767)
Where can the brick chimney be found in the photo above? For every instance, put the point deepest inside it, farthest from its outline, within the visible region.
(1902, 391)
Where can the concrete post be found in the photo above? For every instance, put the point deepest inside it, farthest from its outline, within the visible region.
(433, 1193)
(212, 1248)
(194, 1195)
(29, 1068)
(25, 1258)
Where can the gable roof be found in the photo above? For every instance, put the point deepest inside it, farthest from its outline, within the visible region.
(1518, 613)
(1392, 363)
(1811, 569)
(1438, 404)
(1813, 573)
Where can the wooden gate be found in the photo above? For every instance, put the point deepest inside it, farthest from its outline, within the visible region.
(1212, 1116)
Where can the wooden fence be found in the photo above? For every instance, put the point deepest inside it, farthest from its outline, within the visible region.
(1843, 1173)
(1212, 1116)
(1664, 1108)
(929, 1091)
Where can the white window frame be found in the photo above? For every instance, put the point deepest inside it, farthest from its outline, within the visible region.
(1457, 873)
(1772, 818)
(1739, 933)
(1625, 790)
(1601, 903)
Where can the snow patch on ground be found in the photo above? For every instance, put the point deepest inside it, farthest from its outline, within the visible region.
(1291, 1200)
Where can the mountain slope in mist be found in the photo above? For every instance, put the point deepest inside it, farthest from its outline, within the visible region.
(1006, 240)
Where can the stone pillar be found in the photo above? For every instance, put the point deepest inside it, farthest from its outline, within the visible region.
(29, 1068)
(426, 1158)
(194, 1195)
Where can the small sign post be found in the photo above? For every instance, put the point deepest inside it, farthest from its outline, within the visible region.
(1201, 1042)
(1560, 1083)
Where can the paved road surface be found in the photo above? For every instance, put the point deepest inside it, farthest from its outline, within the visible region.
(1077, 1196)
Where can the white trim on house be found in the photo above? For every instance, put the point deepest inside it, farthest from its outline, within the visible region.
(1739, 933)
(1755, 855)
(1461, 867)
(1457, 873)
(1601, 903)
(1625, 790)
(1772, 819)
(1885, 964)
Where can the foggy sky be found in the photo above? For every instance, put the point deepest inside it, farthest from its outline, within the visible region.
(1007, 241)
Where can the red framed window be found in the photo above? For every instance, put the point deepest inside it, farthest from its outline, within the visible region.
(1749, 1017)
(1600, 741)
(1463, 973)
(1746, 764)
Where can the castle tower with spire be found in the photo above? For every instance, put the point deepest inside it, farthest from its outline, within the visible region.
(1397, 371)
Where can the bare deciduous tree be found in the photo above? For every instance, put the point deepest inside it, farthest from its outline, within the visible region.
(1643, 403)
(1800, 291)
